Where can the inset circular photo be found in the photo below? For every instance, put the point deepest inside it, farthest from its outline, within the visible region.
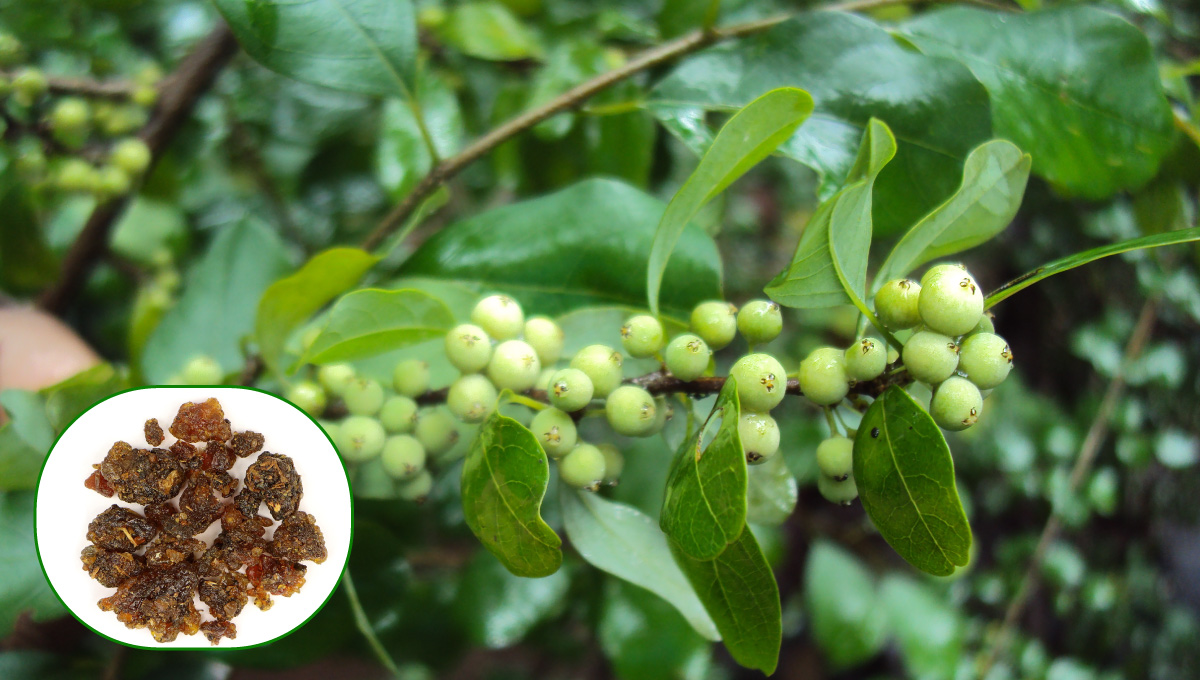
(188, 517)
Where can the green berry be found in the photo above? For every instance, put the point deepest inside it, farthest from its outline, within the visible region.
(360, 438)
(760, 437)
(687, 357)
(29, 84)
(986, 324)
(631, 411)
(308, 397)
(823, 376)
(11, 50)
(144, 95)
(469, 348)
(835, 457)
(951, 302)
(759, 321)
(399, 414)
(416, 489)
(866, 359)
(842, 493)
(662, 413)
(202, 370)
(514, 366)
(555, 431)
(500, 316)
(472, 398)
(761, 382)
(335, 377)
(570, 389)
(31, 162)
(411, 377)
(543, 381)
(602, 364)
(332, 429)
(403, 457)
(930, 357)
(363, 397)
(896, 303)
(642, 336)
(112, 181)
(546, 338)
(76, 174)
(985, 359)
(69, 121)
(435, 430)
(583, 467)
(370, 480)
(716, 322)
(614, 463)
(956, 404)
(131, 155)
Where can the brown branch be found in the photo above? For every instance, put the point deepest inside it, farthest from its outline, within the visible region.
(97, 89)
(177, 96)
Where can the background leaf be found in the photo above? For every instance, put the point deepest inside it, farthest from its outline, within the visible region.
(631, 616)
(488, 30)
(24, 587)
(497, 608)
(372, 321)
(401, 155)
(842, 605)
(24, 440)
(67, 399)
(930, 632)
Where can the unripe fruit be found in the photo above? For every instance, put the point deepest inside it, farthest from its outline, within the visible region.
(761, 382)
(543, 381)
(469, 348)
(202, 370)
(555, 431)
(403, 457)
(759, 321)
(896, 303)
(614, 463)
(823, 376)
(986, 359)
(335, 377)
(583, 467)
(687, 357)
(642, 336)
(144, 95)
(435, 430)
(76, 174)
(514, 366)
(363, 397)
(11, 49)
(930, 357)
(716, 322)
(360, 438)
(332, 429)
(472, 398)
(602, 364)
(986, 324)
(546, 338)
(570, 389)
(662, 413)
(69, 121)
(760, 437)
(112, 181)
(131, 155)
(29, 84)
(631, 411)
(411, 377)
(309, 397)
(865, 359)
(951, 302)
(500, 316)
(956, 404)
(842, 493)
(835, 457)
(399, 414)
(31, 162)
(416, 489)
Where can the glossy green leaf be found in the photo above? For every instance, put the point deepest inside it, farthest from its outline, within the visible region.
(66, 400)
(771, 492)
(24, 587)
(1061, 265)
(292, 300)
(751, 135)
(24, 439)
(1075, 86)
(219, 301)
(497, 608)
(929, 629)
(993, 185)
(488, 30)
(740, 593)
(855, 71)
(620, 145)
(402, 156)
(622, 541)
(704, 505)
(504, 480)
(629, 617)
(148, 229)
(584, 245)
(842, 604)
(365, 46)
(905, 478)
(372, 321)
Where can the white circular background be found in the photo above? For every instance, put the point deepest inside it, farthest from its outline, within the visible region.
(65, 507)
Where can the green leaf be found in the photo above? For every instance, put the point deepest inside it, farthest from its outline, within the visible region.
(488, 30)
(630, 616)
(148, 229)
(855, 71)
(930, 631)
(1077, 87)
(24, 439)
(582, 246)
(993, 184)
(218, 303)
(498, 609)
(704, 505)
(622, 541)
(840, 597)
(740, 593)
(905, 478)
(1061, 265)
(751, 135)
(26, 261)
(402, 157)
(372, 321)
(67, 399)
(771, 492)
(504, 480)
(292, 300)
(24, 587)
(365, 46)
(620, 145)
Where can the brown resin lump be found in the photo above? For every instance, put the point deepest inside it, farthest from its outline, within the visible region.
(201, 422)
(215, 630)
(159, 598)
(96, 482)
(153, 432)
(168, 549)
(141, 476)
(110, 567)
(198, 508)
(224, 592)
(120, 529)
(274, 477)
(299, 538)
(246, 443)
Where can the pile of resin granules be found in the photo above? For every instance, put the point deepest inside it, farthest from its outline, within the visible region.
(154, 560)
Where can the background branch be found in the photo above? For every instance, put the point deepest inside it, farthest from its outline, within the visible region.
(98, 89)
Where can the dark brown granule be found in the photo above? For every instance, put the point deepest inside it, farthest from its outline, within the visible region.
(168, 549)
(160, 512)
(120, 529)
(242, 526)
(188, 456)
(299, 538)
(159, 598)
(222, 482)
(201, 422)
(247, 502)
(274, 476)
(281, 577)
(140, 475)
(215, 630)
(246, 443)
(198, 508)
(154, 432)
(110, 567)
(96, 482)
(224, 592)
(217, 456)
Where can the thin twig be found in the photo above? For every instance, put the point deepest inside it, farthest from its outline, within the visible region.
(364, 625)
(97, 89)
